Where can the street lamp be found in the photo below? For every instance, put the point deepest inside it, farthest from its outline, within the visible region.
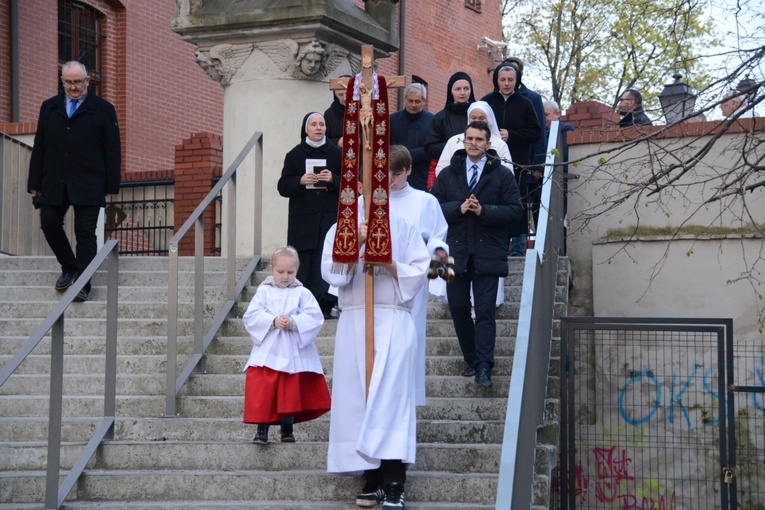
(676, 100)
(748, 87)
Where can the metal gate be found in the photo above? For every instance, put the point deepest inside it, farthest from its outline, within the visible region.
(643, 423)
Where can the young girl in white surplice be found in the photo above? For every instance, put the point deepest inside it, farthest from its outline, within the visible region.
(285, 381)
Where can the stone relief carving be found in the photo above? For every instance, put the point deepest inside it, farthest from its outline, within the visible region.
(310, 61)
(223, 61)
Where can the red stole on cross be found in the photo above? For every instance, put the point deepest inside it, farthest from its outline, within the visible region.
(345, 252)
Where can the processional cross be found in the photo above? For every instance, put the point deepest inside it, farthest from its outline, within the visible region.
(371, 129)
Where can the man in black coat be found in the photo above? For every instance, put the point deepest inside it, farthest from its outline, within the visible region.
(631, 109)
(75, 162)
(410, 127)
(479, 199)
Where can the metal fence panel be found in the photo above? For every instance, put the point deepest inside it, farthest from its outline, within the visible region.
(643, 416)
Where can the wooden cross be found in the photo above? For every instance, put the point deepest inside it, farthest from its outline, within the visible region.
(367, 67)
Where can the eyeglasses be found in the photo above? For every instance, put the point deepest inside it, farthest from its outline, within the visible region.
(74, 83)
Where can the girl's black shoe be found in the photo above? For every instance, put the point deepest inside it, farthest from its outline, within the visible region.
(262, 436)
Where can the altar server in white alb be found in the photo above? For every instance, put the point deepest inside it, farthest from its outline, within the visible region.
(285, 381)
(377, 436)
(424, 211)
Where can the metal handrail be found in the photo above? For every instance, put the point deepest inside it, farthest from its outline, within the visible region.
(233, 288)
(531, 359)
(54, 322)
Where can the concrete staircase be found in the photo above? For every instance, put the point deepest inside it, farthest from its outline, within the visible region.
(203, 457)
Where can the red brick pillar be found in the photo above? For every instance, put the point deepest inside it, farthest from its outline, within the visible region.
(198, 161)
(591, 114)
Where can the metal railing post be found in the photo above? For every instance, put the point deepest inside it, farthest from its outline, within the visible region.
(231, 238)
(172, 329)
(110, 363)
(54, 413)
(199, 285)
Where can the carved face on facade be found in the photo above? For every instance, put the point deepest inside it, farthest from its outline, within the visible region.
(311, 58)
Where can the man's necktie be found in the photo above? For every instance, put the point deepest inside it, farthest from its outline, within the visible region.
(73, 107)
(473, 177)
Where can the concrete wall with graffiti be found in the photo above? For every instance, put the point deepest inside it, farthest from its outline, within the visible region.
(648, 416)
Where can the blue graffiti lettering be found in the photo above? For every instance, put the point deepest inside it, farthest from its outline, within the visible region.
(637, 378)
(678, 398)
(715, 395)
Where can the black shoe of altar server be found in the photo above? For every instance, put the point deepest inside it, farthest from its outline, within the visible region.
(372, 494)
(394, 496)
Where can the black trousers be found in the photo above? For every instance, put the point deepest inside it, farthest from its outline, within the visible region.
(390, 471)
(477, 337)
(85, 221)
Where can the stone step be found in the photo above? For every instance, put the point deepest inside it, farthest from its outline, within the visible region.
(244, 505)
(137, 276)
(439, 365)
(434, 328)
(240, 346)
(81, 405)
(236, 455)
(75, 327)
(435, 346)
(232, 429)
(126, 263)
(127, 293)
(218, 384)
(437, 488)
(491, 407)
(92, 345)
(96, 309)
(435, 385)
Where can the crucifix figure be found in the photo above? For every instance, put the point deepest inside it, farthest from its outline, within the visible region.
(365, 97)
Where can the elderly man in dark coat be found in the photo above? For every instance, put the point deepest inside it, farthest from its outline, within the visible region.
(480, 200)
(410, 127)
(75, 162)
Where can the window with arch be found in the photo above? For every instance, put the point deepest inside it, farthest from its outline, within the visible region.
(80, 37)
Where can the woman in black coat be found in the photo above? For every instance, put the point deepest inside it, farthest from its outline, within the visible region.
(453, 118)
(311, 180)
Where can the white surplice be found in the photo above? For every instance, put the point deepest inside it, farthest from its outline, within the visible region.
(290, 350)
(384, 427)
(424, 211)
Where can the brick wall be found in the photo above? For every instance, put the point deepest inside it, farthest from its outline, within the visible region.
(150, 76)
(198, 161)
(5, 56)
(597, 123)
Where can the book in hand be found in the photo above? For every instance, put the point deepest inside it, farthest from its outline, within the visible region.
(316, 166)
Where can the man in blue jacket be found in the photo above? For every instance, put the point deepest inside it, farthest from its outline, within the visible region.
(75, 162)
(479, 199)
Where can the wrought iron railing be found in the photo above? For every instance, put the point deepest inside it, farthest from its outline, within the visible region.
(141, 217)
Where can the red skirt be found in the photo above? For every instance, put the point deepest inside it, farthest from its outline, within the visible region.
(271, 396)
